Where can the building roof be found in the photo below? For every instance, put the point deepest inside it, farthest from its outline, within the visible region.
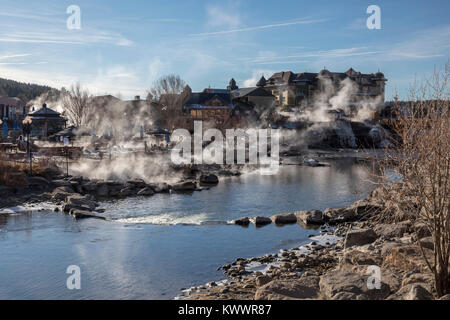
(210, 98)
(44, 112)
(252, 91)
(290, 78)
(11, 101)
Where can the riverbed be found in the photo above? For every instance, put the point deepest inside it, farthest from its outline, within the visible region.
(151, 248)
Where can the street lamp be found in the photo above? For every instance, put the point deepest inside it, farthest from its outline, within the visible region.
(26, 128)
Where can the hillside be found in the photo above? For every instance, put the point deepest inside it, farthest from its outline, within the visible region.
(24, 91)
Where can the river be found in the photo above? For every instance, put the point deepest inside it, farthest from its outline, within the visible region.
(150, 248)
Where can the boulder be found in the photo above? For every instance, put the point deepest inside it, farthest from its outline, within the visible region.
(78, 202)
(391, 230)
(160, 187)
(37, 182)
(125, 192)
(188, 186)
(360, 237)
(147, 191)
(89, 186)
(342, 284)
(80, 214)
(262, 280)
(413, 291)
(310, 216)
(242, 221)
(407, 258)
(136, 183)
(304, 288)
(102, 190)
(261, 221)
(284, 218)
(338, 215)
(61, 183)
(209, 179)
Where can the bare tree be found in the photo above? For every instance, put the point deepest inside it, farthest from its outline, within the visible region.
(76, 105)
(167, 96)
(421, 159)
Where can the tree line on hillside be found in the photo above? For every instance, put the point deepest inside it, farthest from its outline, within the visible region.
(24, 91)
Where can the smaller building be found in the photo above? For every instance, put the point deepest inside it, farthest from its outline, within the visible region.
(46, 122)
(12, 112)
(210, 104)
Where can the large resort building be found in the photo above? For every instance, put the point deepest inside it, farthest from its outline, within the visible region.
(302, 89)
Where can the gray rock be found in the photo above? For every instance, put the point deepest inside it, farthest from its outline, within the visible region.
(391, 230)
(209, 179)
(37, 181)
(413, 291)
(188, 186)
(147, 191)
(262, 280)
(102, 190)
(338, 215)
(242, 221)
(310, 216)
(360, 237)
(125, 192)
(336, 282)
(284, 218)
(78, 202)
(137, 183)
(303, 288)
(261, 221)
(80, 214)
(160, 187)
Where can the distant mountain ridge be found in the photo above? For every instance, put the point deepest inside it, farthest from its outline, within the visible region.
(24, 91)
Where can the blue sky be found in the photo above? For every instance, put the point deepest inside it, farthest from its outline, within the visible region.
(123, 46)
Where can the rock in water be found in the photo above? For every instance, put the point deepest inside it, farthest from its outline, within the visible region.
(147, 191)
(78, 202)
(261, 221)
(210, 179)
(284, 218)
(79, 214)
(242, 221)
(310, 216)
(188, 186)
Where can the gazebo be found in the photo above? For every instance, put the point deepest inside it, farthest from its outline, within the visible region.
(45, 122)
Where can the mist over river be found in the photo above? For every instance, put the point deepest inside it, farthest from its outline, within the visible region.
(150, 248)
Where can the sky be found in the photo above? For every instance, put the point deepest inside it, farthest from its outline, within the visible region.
(124, 46)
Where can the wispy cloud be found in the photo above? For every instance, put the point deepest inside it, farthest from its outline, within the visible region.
(20, 55)
(333, 53)
(67, 37)
(262, 27)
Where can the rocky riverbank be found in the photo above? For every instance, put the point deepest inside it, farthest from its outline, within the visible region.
(79, 196)
(356, 257)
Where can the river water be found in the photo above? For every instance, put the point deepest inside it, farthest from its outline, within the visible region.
(150, 248)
